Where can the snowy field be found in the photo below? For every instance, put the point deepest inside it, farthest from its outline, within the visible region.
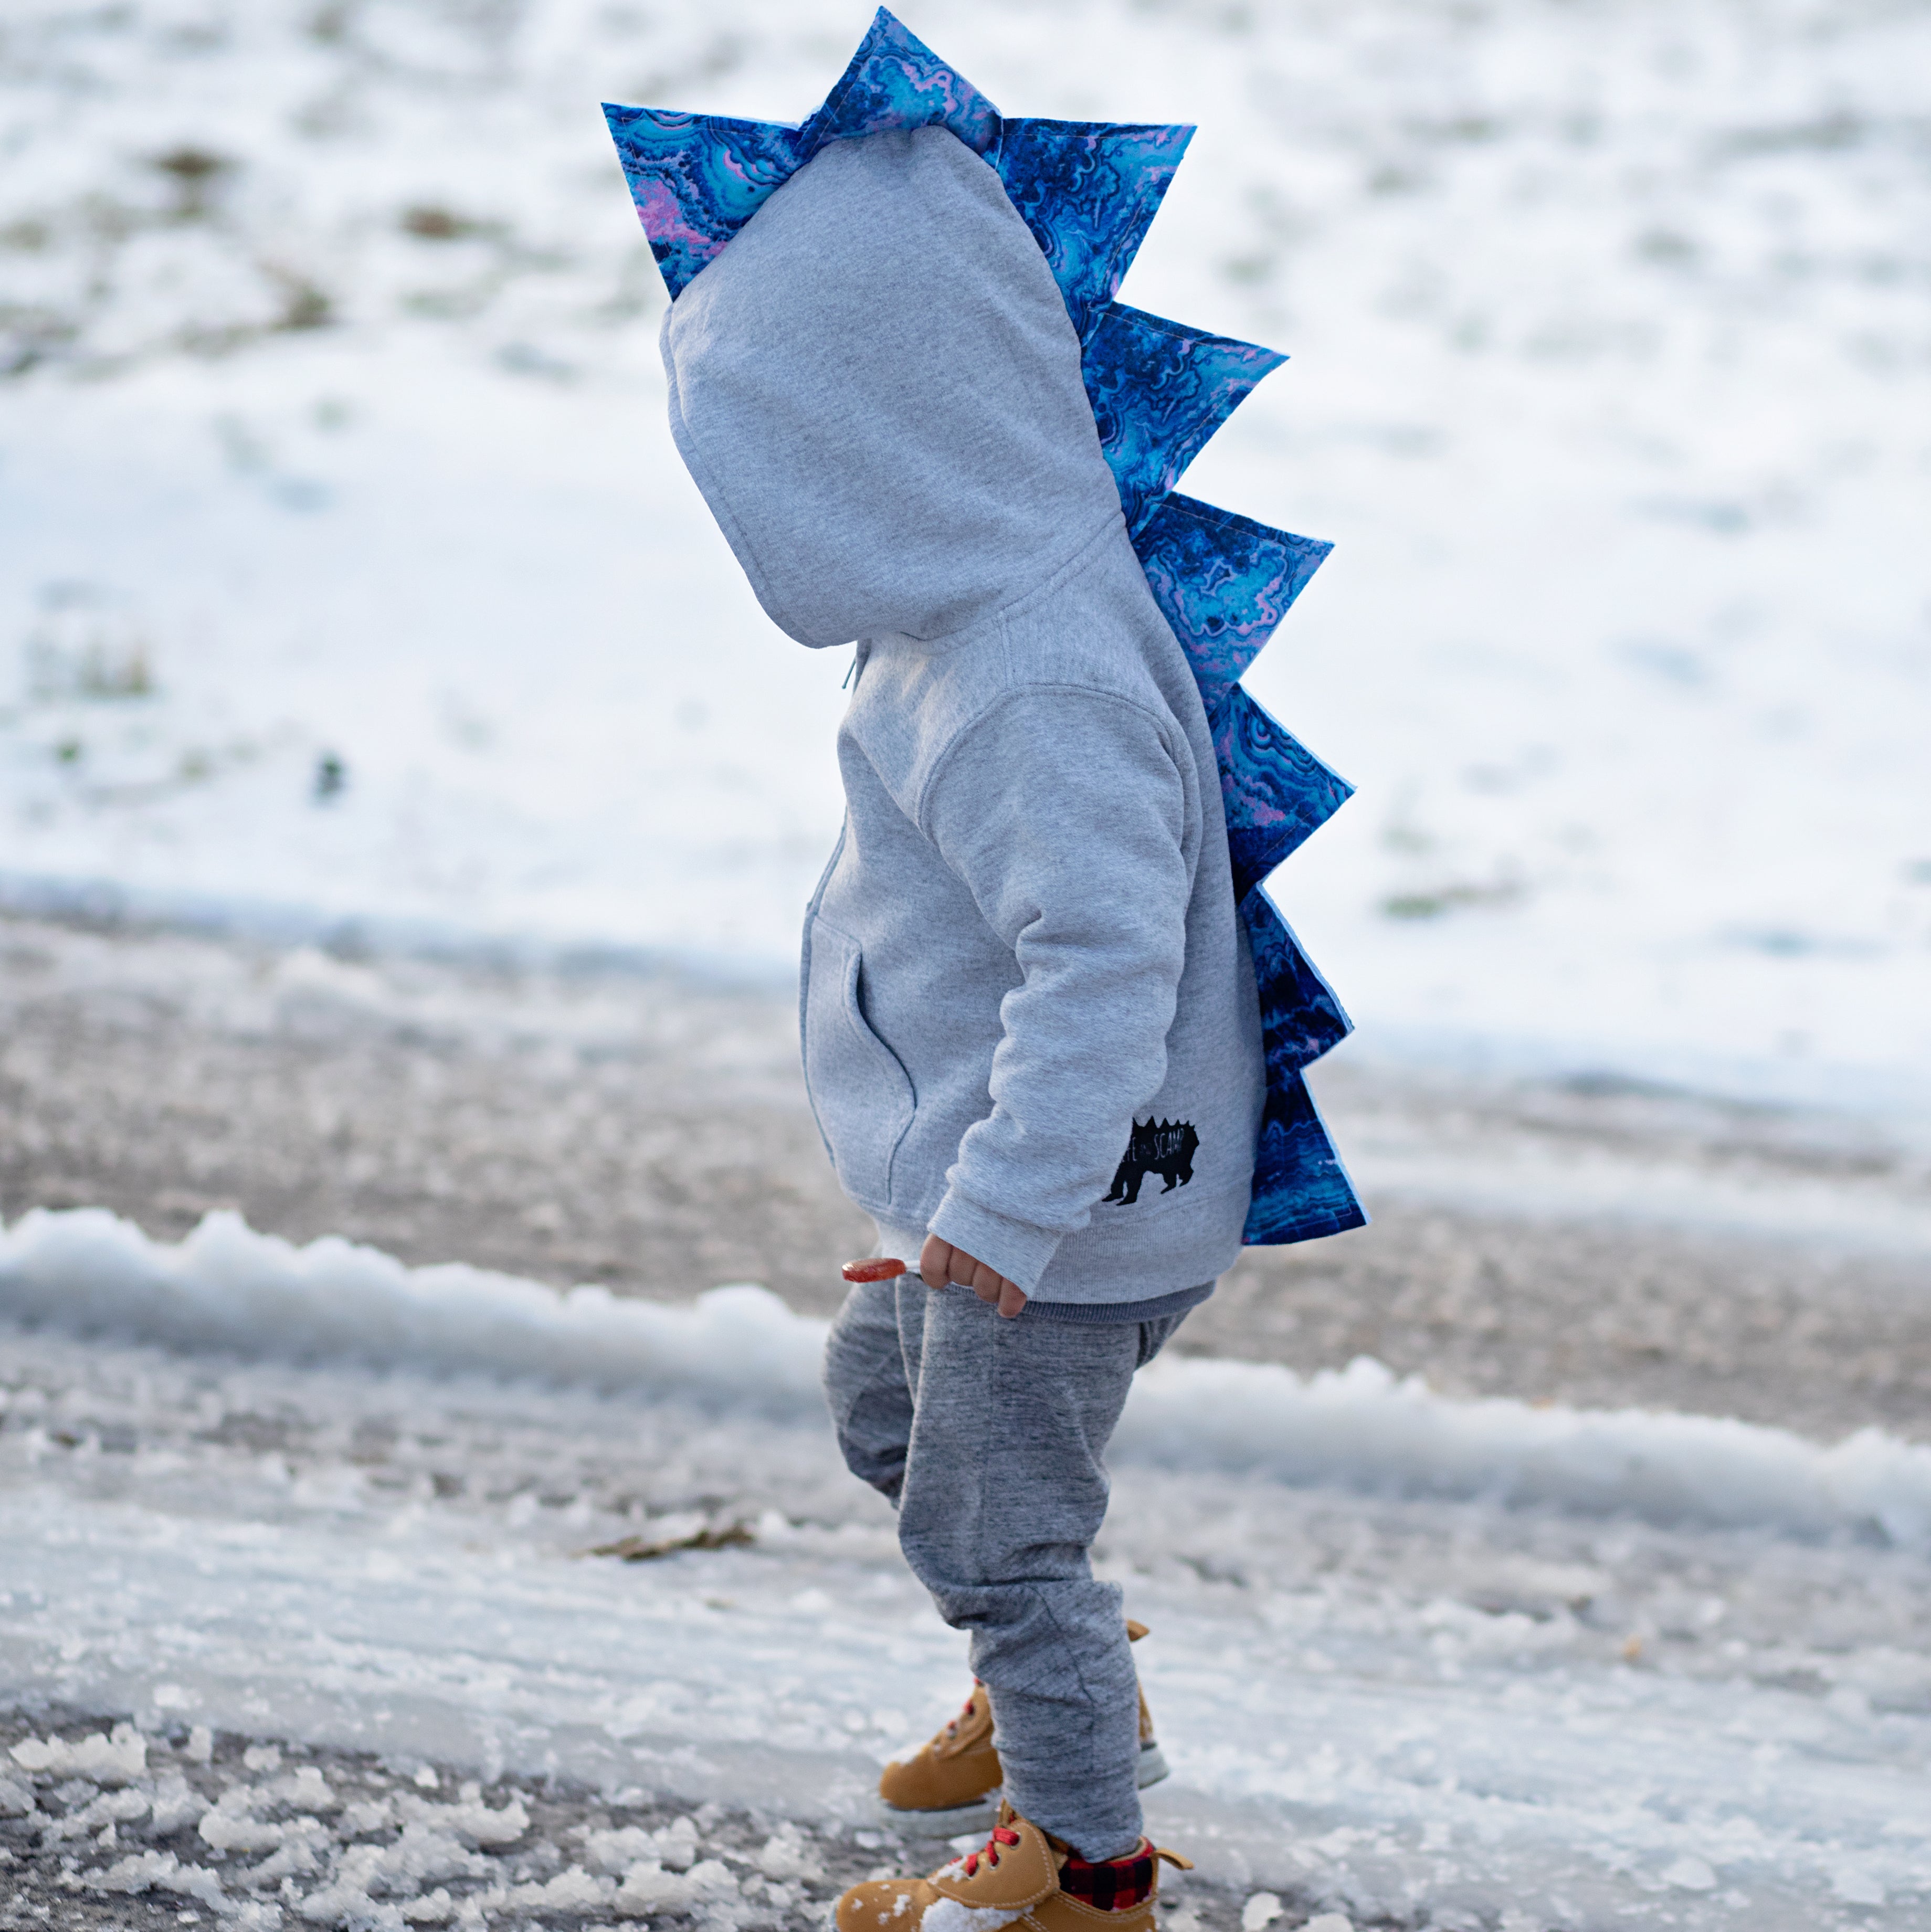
(1429, 1663)
(335, 432)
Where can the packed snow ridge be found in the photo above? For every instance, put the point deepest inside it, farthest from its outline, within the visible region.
(228, 1290)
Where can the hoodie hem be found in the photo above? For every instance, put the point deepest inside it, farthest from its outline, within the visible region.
(1150, 1308)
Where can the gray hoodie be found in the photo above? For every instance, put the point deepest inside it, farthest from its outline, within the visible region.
(1030, 1018)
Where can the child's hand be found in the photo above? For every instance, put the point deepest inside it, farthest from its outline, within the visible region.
(939, 1264)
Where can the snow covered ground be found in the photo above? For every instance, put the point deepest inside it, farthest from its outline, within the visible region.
(334, 433)
(1431, 1662)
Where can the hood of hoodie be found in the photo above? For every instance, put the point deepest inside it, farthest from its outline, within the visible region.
(878, 388)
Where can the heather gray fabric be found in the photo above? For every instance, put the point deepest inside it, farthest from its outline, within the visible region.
(904, 1244)
(988, 1434)
(1026, 941)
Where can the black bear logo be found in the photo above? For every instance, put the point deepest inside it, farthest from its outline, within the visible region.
(1165, 1147)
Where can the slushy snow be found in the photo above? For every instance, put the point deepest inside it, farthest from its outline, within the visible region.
(1413, 1658)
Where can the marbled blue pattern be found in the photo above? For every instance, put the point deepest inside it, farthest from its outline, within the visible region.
(1223, 582)
(895, 80)
(1301, 1190)
(1275, 790)
(1088, 190)
(1159, 390)
(696, 179)
(1301, 1019)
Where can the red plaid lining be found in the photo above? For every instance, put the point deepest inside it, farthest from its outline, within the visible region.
(1115, 1886)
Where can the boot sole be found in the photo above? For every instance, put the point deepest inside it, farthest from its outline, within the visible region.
(980, 1813)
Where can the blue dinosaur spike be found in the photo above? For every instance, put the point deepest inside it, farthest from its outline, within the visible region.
(696, 179)
(1302, 1019)
(1301, 1189)
(1089, 191)
(1159, 390)
(1275, 790)
(895, 80)
(1223, 582)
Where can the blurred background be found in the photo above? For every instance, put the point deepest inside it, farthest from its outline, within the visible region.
(405, 812)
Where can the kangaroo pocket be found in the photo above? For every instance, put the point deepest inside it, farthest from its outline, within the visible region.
(859, 1092)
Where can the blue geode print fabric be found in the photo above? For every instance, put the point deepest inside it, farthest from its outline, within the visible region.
(1223, 582)
(696, 179)
(1159, 390)
(1276, 791)
(1301, 1189)
(1303, 1018)
(895, 80)
(1089, 191)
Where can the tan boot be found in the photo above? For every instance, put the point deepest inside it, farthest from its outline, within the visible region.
(1022, 1877)
(951, 1783)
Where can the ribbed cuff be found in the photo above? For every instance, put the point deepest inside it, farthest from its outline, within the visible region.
(1017, 1250)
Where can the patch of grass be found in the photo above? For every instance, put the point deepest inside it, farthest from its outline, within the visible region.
(640, 1550)
(195, 172)
(103, 667)
(428, 221)
(305, 306)
(1446, 899)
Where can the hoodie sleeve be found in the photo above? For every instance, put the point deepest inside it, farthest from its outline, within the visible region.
(1064, 812)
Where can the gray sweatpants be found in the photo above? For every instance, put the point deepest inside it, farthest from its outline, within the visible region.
(989, 1435)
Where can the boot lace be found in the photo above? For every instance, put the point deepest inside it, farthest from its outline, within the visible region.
(1000, 1836)
(965, 1710)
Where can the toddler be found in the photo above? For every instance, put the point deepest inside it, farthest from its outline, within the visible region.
(1031, 1035)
